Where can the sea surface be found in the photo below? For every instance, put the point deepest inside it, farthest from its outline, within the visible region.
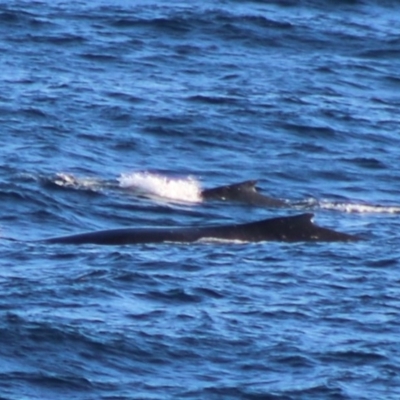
(116, 114)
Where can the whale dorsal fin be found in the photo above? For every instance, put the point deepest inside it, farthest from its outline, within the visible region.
(229, 191)
(246, 185)
(305, 220)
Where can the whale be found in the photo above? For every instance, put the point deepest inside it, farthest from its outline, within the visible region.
(297, 228)
(244, 192)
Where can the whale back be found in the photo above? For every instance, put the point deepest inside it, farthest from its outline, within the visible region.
(298, 228)
(245, 192)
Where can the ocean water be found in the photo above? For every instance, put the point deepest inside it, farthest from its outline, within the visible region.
(117, 114)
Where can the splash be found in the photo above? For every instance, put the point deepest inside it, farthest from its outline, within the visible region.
(181, 189)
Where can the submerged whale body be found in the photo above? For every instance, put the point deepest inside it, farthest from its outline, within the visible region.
(298, 228)
(245, 192)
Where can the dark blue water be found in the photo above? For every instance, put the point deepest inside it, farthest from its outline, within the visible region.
(303, 96)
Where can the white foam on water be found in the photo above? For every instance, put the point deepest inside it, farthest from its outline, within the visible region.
(221, 241)
(68, 180)
(359, 208)
(181, 189)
